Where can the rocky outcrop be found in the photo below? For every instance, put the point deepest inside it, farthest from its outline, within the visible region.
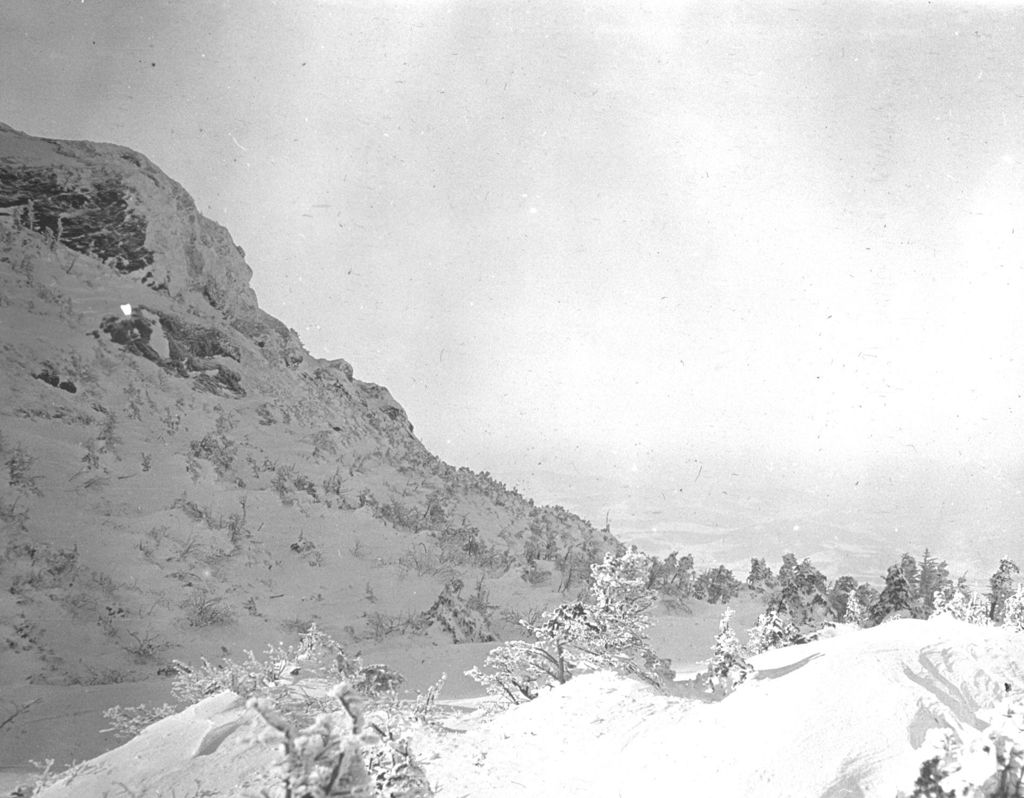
(114, 203)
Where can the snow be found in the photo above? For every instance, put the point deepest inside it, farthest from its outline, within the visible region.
(844, 716)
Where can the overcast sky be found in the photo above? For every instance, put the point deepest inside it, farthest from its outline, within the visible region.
(607, 236)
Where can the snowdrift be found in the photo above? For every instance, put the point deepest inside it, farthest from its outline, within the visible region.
(846, 716)
(839, 717)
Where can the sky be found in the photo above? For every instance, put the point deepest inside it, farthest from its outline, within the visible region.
(624, 240)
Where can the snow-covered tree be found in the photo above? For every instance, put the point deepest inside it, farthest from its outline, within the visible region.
(803, 590)
(609, 631)
(728, 667)
(908, 564)
(853, 612)
(773, 630)
(934, 575)
(1001, 588)
(895, 596)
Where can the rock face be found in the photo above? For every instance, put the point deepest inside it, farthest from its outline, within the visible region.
(180, 477)
(113, 203)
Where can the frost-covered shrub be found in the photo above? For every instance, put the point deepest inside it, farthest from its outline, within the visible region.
(465, 619)
(349, 739)
(728, 667)
(19, 463)
(128, 722)
(609, 631)
(219, 450)
(204, 609)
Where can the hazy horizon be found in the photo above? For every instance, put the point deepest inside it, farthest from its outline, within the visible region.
(683, 256)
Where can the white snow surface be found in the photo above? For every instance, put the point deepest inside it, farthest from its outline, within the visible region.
(845, 716)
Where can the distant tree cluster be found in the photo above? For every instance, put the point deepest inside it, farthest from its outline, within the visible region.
(675, 579)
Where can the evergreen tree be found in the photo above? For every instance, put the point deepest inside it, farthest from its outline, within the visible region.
(672, 576)
(895, 596)
(853, 612)
(727, 667)
(787, 571)
(942, 577)
(760, 577)
(867, 596)
(1001, 588)
(934, 576)
(716, 585)
(912, 574)
(803, 590)
(839, 595)
(685, 574)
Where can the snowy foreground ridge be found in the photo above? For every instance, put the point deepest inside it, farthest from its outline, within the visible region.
(845, 716)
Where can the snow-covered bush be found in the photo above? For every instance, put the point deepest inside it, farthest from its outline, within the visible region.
(342, 752)
(773, 630)
(609, 631)
(1013, 610)
(958, 604)
(728, 667)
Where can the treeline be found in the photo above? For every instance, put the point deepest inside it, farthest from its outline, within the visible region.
(912, 586)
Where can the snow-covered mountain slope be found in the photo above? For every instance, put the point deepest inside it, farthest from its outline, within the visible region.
(845, 716)
(180, 478)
